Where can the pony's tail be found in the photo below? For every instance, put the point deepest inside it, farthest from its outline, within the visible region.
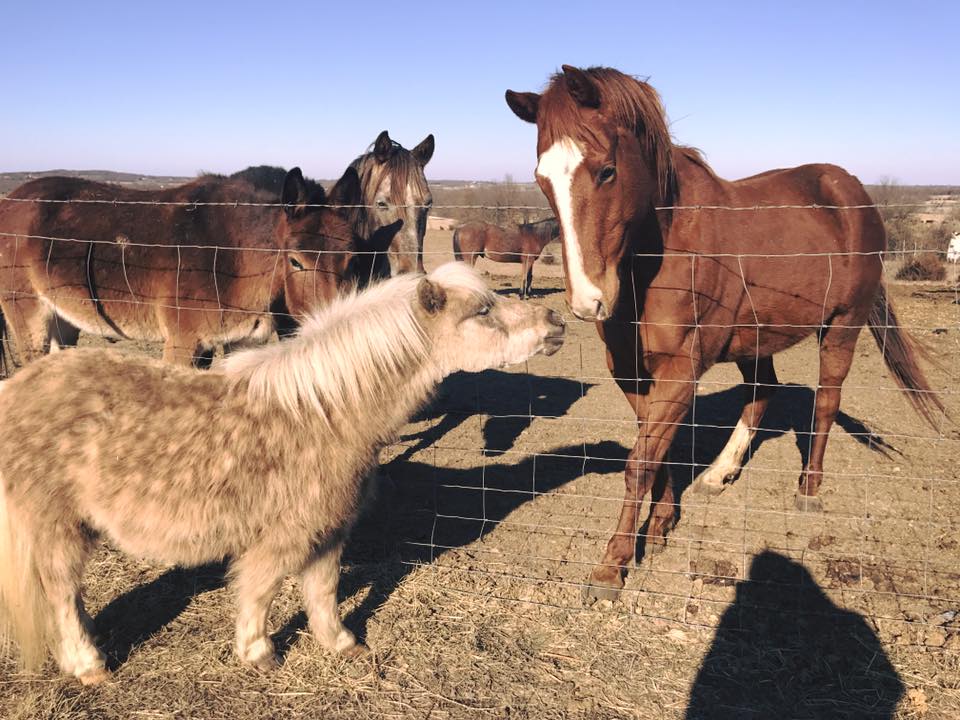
(24, 618)
(457, 252)
(900, 353)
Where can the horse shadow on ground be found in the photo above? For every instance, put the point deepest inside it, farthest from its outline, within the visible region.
(784, 650)
(431, 510)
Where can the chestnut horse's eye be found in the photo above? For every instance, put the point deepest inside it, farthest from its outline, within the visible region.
(296, 263)
(606, 174)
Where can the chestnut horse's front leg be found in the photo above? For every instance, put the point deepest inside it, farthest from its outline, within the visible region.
(660, 405)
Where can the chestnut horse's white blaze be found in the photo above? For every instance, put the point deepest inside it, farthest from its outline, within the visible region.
(557, 166)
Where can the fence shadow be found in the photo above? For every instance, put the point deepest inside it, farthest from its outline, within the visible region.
(784, 650)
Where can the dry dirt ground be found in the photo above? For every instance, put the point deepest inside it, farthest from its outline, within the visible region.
(464, 576)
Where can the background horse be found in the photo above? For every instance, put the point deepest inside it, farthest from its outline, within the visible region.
(163, 266)
(674, 292)
(395, 202)
(265, 461)
(523, 245)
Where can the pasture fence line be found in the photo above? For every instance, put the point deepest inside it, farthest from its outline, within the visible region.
(547, 503)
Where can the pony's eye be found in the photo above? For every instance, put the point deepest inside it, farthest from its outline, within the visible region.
(382, 204)
(296, 263)
(606, 174)
(485, 310)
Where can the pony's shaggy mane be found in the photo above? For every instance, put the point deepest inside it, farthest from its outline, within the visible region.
(626, 101)
(360, 344)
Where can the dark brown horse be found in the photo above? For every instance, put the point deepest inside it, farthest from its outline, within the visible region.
(192, 266)
(523, 245)
(677, 281)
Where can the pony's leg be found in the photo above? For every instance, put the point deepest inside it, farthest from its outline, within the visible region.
(837, 344)
(760, 384)
(320, 578)
(660, 410)
(257, 575)
(60, 568)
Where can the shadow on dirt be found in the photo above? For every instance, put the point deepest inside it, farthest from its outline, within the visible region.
(784, 650)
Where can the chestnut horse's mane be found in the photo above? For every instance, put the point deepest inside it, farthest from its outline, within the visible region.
(630, 103)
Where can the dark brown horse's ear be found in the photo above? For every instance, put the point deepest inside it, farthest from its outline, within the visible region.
(524, 104)
(347, 189)
(424, 151)
(382, 147)
(581, 87)
(294, 193)
(432, 296)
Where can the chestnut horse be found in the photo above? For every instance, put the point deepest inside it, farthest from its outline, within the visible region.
(192, 266)
(523, 245)
(677, 281)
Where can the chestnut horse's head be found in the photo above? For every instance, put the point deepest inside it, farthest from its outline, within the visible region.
(604, 163)
(319, 244)
(396, 200)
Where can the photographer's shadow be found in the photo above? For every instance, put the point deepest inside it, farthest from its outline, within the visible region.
(784, 650)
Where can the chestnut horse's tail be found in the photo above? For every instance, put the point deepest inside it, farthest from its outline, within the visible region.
(24, 618)
(900, 354)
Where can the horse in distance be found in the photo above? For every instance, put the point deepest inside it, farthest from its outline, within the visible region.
(677, 268)
(264, 460)
(524, 245)
(191, 266)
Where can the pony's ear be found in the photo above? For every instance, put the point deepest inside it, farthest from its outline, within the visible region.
(523, 104)
(294, 193)
(347, 189)
(424, 151)
(581, 87)
(432, 296)
(382, 147)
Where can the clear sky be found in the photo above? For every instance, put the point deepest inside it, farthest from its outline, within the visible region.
(176, 87)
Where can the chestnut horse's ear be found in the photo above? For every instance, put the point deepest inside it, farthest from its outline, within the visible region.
(294, 193)
(347, 189)
(382, 147)
(424, 151)
(431, 295)
(581, 87)
(524, 104)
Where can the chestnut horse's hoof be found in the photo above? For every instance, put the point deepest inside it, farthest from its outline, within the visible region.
(809, 503)
(94, 677)
(605, 587)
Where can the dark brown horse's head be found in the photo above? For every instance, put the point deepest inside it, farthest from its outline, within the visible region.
(396, 200)
(318, 242)
(604, 163)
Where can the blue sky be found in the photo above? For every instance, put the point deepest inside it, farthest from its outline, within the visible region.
(176, 87)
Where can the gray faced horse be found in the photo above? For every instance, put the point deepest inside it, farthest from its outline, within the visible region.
(396, 201)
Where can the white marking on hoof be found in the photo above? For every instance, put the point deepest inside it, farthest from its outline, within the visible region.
(94, 677)
(729, 462)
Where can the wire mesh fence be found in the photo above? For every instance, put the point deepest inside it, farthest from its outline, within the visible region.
(508, 485)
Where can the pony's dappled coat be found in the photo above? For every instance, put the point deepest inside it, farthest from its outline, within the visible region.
(264, 460)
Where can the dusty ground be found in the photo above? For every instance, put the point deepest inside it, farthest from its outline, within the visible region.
(464, 577)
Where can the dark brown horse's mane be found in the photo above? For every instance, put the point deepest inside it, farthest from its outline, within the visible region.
(624, 100)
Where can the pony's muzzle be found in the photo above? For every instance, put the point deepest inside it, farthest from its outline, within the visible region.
(553, 340)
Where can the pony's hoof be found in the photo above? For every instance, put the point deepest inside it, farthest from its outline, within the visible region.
(709, 487)
(809, 503)
(94, 677)
(356, 651)
(268, 663)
